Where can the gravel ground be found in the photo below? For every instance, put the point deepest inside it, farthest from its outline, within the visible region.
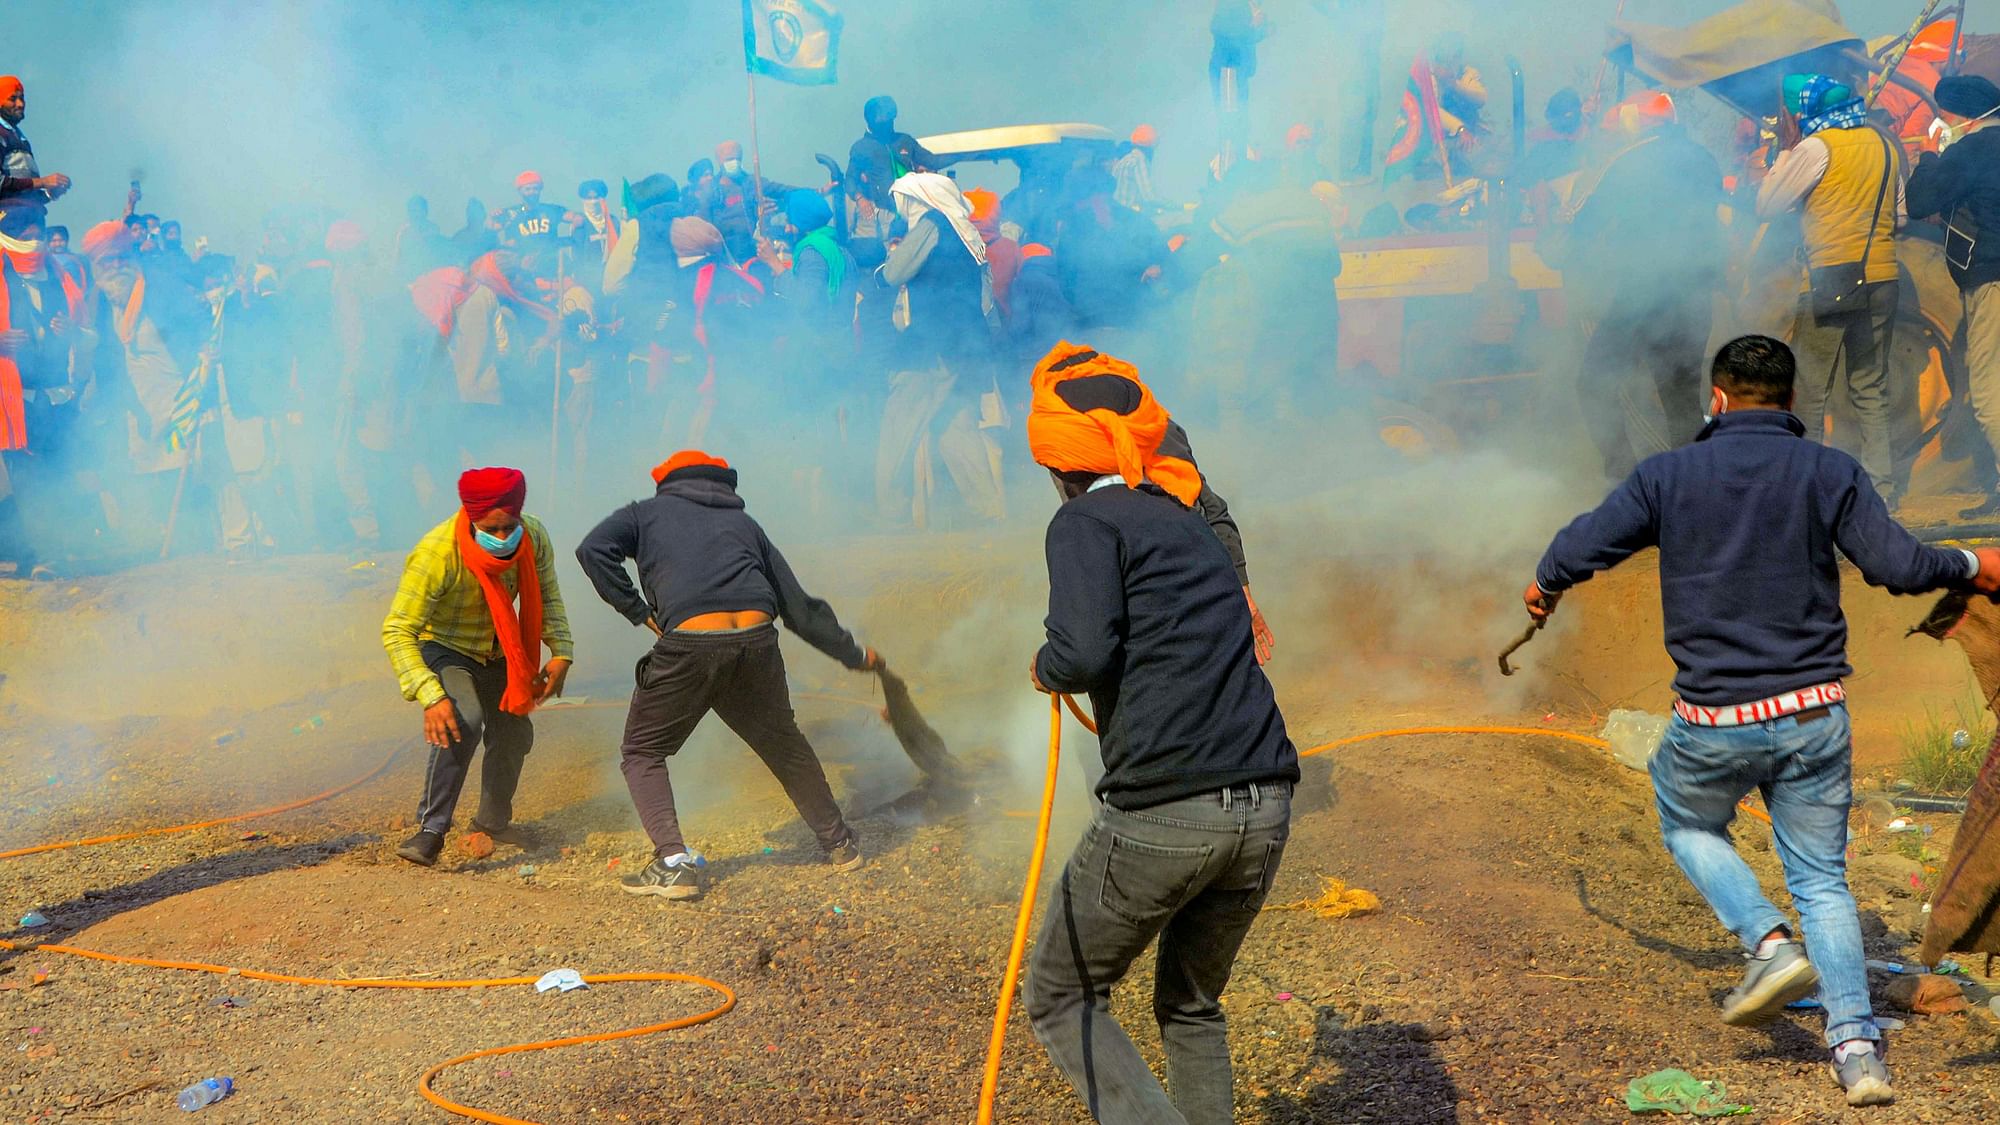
(1536, 949)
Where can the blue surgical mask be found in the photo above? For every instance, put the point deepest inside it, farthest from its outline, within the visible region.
(496, 546)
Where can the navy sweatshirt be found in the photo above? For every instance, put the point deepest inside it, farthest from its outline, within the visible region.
(699, 552)
(1747, 519)
(1146, 615)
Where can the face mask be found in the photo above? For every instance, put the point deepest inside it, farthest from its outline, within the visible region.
(731, 167)
(496, 546)
(1947, 134)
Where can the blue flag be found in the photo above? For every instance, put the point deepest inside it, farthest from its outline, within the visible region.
(791, 40)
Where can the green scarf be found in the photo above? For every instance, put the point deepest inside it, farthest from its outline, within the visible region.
(822, 243)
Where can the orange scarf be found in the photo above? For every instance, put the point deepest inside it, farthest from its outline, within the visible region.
(128, 321)
(1103, 441)
(512, 630)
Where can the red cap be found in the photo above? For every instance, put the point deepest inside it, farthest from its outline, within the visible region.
(483, 491)
(529, 178)
(685, 459)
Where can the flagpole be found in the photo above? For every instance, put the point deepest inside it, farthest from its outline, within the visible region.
(756, 162)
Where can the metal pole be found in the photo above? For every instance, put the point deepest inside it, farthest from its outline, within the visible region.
(555, 406)
(756, 163)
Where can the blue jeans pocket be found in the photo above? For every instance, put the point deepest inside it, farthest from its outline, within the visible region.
(1146, 882)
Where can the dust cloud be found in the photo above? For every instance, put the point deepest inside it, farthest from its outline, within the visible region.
(239, 118)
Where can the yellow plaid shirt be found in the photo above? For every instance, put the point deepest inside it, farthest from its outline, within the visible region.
(440, 600)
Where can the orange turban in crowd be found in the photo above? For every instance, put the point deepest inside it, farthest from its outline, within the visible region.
(685, 459)
(727, 151)
(104, 240)
(530, 178)
(985, 213)
(9, 86)
(1145, 136)
(1036, 250)
(490, 490)
(344, 236)
(1642, 111)
(1089, 413)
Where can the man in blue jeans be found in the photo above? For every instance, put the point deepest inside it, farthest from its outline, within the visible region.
(1746, 520)
(1147, 615)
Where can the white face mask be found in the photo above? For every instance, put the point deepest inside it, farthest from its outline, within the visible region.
(732, 166)
(1947, 134)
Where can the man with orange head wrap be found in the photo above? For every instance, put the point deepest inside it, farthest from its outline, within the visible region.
(1146, 616)
(714, 587)
(1649, 247)
(22, 186)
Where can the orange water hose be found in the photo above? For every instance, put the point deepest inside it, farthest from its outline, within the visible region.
(170, 830)
(1535, 732)
(1014, 955)
(990, 1085)
(423, 1083)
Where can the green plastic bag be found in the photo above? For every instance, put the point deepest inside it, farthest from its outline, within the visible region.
(1677, 1091)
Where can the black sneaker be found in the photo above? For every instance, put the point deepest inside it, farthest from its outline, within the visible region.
(422, 849)
(846, 857)
(684, 880)
(513, 834)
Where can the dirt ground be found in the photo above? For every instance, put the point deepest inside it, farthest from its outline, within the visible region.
(1536, 949)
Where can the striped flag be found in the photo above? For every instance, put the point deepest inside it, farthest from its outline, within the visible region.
(196, 392)
(794, 41)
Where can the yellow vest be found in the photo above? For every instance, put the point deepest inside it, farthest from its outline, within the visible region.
(1837, 210)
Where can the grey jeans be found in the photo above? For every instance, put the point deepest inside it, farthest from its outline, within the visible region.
(1847, 357)
(1193, 873)
(475, 690)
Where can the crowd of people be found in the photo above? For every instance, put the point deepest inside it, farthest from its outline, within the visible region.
(881, 322)
(309, 395)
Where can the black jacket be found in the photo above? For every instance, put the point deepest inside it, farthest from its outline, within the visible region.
(1210, 505)
(699, 552)
(1747, 519)
(872, 163)
(1966, 175)
(1146, 615)
(1648, 235)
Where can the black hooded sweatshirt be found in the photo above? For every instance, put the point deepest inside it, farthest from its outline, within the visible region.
(699, 552)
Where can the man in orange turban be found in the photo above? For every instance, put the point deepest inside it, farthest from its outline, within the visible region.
(466, 652)
(1066, 438)
(533, 228)
(22, 186)
(712, 588)
(1145, 614)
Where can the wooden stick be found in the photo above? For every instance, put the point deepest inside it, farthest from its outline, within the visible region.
(180, 489)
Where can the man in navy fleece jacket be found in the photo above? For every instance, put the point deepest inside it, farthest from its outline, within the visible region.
(1747, 519)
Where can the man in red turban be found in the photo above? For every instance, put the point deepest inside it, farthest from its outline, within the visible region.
(714, 587)
(468, 654)
(1146, 616)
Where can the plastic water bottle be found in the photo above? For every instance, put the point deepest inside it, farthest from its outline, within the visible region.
(1634, 735)
(206, 1092)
